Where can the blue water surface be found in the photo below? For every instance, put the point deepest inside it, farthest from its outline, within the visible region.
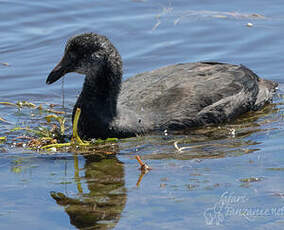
(228, 177)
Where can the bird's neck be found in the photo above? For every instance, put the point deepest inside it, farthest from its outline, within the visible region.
(98, 99)
(102, 90)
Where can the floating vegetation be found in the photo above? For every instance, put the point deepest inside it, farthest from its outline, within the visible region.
(61, 121)
(5, 63)
(251, 179)
(76, 141)
(19, 104)
(276, 169)
(22, 104)
(3, 139)
(49, 134)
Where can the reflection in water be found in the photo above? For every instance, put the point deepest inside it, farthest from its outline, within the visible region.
(142, 174)
(102, 206)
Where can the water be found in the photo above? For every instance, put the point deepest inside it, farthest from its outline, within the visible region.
(223, 181)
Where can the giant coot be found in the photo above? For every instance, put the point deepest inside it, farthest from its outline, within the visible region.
(172, 98)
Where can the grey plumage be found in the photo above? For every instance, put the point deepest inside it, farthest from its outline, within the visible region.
(174, 98)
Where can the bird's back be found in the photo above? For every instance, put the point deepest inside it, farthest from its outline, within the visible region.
(192, 94)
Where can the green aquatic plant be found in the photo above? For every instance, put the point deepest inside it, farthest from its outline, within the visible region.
(61, 121)
(19, 104)
(3, 139)
(51, 135)
(22, 104)
(76, 141)
(46, 138)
